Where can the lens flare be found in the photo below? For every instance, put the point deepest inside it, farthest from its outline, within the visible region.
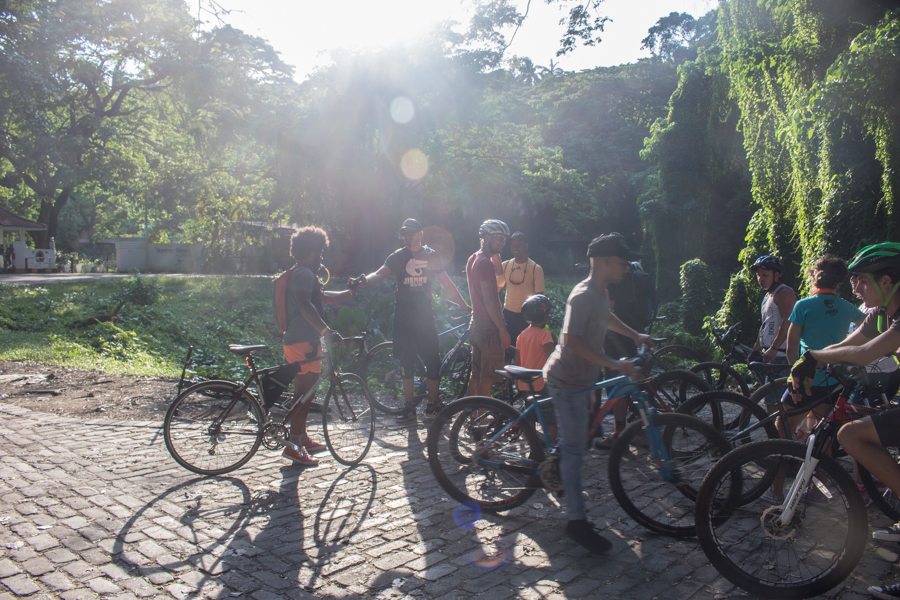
(414, 164)
(493, 556)
(466, 515)
(402, 110)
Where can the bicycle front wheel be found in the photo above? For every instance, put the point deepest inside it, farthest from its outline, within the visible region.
(475, 465)
(381, 372)
(807, 556)
(671, 357)
(660, 495)
(721, 377)
(348, 419)
(733, 415)
(669, 390)
(210, 429)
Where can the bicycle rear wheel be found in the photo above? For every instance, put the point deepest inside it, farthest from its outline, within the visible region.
(348, 419)
(498, 478)
(209, 431)
(775, 387)
(720, 376)
(641, 488)
(808, 556)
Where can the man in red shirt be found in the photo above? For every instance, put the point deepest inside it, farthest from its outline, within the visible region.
(487, 332)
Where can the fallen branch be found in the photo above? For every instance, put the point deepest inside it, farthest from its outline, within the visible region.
(104, 318)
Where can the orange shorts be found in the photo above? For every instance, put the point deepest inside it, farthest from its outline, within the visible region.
(304, 351)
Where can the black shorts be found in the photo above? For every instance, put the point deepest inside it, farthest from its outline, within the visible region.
(887, 424)
(416, 336)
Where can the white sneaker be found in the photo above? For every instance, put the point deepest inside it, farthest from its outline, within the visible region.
(888, 535)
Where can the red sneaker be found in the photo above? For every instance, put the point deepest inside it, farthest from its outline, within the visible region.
(312, 446)
(301, 458)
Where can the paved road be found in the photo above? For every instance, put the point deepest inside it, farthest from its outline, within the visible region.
(98, 509)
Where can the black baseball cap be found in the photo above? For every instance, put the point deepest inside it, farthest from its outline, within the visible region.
(411, 225)
(612, 244)
(519, 236)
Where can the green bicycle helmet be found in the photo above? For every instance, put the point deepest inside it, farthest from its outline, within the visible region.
(875, 258)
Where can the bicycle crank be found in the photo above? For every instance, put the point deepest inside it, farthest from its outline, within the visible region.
(275, 436)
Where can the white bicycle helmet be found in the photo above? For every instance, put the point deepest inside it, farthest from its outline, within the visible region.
(493, 227)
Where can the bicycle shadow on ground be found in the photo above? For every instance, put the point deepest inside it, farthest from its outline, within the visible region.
(194, 540)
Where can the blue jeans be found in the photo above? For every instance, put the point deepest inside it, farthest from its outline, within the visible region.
(572, 416)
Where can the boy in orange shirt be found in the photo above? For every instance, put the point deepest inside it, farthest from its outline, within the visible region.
(533, 348)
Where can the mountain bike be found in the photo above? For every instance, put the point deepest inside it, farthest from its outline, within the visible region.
(214, 427)
(381, 370)
(483, 451)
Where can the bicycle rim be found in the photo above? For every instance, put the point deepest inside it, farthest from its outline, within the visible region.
(660, 502)
(348, 420)
(808, 556)
(497, 479)
(194, 439)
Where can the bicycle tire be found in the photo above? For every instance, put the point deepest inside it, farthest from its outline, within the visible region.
(455, 379)
(636, 481)
(817, 550)
(348, 419)
(673, 388)
(776, 386)
(674, 356)
(722, 377)
(381, 372)
(454, 439)
(193, 440)
(731, 414)
(884, 499)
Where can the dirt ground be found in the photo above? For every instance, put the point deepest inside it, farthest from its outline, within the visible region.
(86, 394)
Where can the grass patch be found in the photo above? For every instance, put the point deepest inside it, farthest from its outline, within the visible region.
(166, 315)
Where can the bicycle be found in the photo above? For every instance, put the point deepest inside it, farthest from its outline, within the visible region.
(483, 451)
(770, 549)
(722, 375)
(381, 370)
(214, 427)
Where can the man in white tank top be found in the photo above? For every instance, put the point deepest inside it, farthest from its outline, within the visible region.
(776, 308)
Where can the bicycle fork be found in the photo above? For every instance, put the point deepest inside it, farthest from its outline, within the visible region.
(660, 456)
(800, 483)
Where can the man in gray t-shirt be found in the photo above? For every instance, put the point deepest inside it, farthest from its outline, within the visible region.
(575, 366)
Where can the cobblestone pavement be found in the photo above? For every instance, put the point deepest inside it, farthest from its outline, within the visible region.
(98, 509)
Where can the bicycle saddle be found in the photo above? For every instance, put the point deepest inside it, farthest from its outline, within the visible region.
(244, 350)
(520, 373)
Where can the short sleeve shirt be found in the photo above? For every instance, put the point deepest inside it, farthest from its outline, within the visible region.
(522, 281)
(870, 325)
(414, 277)
(825, 319)
(530, 345)
(299, 330)
(587, 316)
(479, 268)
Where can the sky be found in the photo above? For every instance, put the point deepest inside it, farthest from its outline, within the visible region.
(303, 31)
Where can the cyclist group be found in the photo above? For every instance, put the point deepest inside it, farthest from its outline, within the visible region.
(808, 333)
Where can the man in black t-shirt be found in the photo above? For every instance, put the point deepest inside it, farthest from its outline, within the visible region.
(415, 332)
